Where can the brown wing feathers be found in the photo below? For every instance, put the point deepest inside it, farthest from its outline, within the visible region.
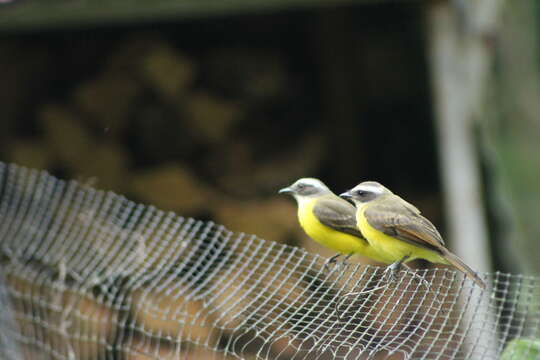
(338, 215)
(405, 223)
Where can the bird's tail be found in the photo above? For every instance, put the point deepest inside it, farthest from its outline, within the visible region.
(461, 266)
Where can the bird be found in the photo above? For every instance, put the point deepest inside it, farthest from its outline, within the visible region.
(329, 220)
(397, 230)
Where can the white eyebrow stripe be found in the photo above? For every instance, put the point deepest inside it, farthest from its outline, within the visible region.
(314, 182)
(370, 188)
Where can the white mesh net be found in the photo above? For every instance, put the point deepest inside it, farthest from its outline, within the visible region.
(87, 274)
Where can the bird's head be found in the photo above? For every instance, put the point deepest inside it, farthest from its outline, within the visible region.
(365, 192)
(306, 188)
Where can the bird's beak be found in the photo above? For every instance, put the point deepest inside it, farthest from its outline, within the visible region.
(346, 195)
(285, 190)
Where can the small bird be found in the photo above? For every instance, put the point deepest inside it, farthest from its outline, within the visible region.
(328, 219)
(395, 228)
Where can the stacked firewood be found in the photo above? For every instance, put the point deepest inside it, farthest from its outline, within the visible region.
(212, 136)
(209, 134)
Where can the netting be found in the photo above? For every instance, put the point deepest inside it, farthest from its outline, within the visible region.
(88, 274)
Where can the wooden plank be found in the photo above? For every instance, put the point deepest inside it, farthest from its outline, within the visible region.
(34, 14)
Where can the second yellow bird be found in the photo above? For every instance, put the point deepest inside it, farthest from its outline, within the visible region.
(396, 230)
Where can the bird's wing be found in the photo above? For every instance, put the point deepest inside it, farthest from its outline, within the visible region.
(337, 214)
(397, 218)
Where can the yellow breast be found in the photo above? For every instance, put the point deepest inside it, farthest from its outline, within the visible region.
(335, 240)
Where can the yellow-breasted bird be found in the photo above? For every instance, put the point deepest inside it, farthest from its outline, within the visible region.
(328, 219)
(396, 230)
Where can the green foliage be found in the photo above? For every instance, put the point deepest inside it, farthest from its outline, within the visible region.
(522, 349)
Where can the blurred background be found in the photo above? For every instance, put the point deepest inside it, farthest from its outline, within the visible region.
(208, 108)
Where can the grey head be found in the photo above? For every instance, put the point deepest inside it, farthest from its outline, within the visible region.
(365, 192)
(306, 187)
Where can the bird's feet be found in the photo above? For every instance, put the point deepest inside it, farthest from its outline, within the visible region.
(393, 270)
(330, 261)
(334, 260)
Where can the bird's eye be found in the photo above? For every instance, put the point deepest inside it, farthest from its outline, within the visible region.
(301, 186)
(361, 193)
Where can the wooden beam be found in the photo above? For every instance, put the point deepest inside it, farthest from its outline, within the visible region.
(34, 14)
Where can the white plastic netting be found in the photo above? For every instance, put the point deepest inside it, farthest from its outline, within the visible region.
(87, 274)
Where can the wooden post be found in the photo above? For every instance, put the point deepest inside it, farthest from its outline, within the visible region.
(460, 61)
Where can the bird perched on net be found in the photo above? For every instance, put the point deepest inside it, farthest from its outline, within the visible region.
(329, 220)
(396, 230)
